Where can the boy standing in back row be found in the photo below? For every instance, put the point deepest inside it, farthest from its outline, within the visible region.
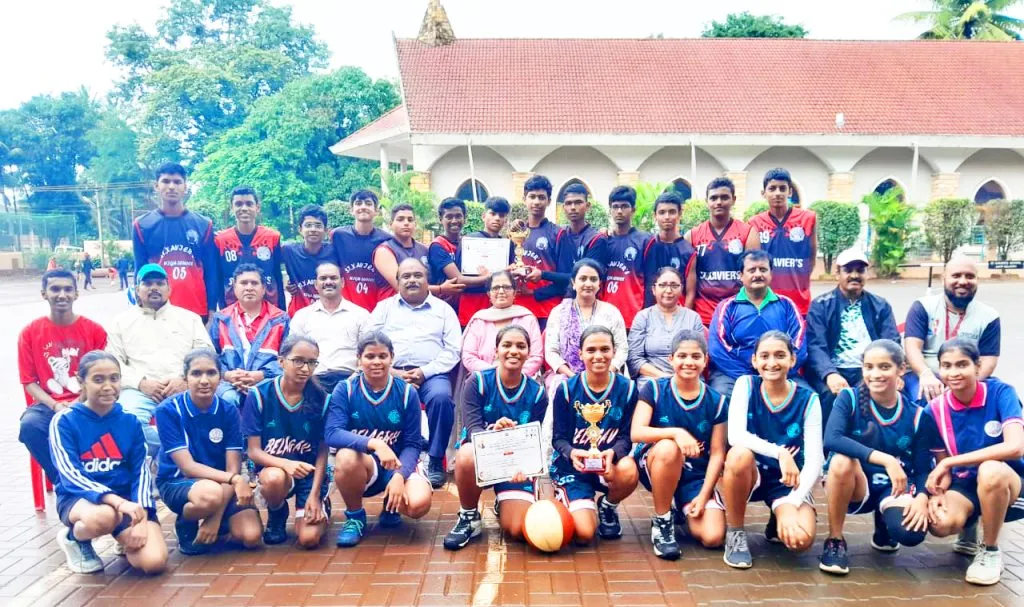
(625, 286)
(248, 242)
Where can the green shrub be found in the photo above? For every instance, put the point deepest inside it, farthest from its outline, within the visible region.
(339, 214)
(695, 212)
(1004, 226)
(890, 221)
(838, 226)
(948, 223)
(474, 217)
(759, 206)
(597, 216)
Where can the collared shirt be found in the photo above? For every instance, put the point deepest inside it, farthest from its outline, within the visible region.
(337, 333)
(153, 344)
(427, 336)
(207, 435)
(769, 297)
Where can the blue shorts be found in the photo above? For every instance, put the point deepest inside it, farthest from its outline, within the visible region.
(300, 490)
(174, 493)
(577, 489)
(691, 483)
(65, 504)
(381, 477)
(768, 488)
(968, 487)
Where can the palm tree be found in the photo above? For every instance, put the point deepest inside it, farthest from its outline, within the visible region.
(968, 20)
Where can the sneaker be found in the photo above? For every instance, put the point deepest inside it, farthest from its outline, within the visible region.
(352, 530)
(608, 526)
(435, 472)
(986, 568)
(186, 532)
(834, 558)
(880, 539)
(466, 528)
(737, 552)
(967, 541)
(771, 530)
(389, 520)
(80, 556)
(663, 536)
(275, 532)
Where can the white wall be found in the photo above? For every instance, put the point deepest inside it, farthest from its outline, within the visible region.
(1005, 166)
(669, 163)
(584, 163)
(452, 169)
(894, 163)
(809, 173)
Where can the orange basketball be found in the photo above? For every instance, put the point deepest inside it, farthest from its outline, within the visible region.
(548, 526)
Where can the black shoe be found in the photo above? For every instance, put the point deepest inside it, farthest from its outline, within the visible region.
(608, 526)
(663, 536)
(435, 472)
(275, 533)
(834, 558)
(881, 540)
(186, 532)
(771, 530)
(466, 528)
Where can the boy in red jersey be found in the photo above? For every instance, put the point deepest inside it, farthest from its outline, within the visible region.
(669, 248)
(627, 251)
(249, 242)
(790, 236)
(354, 246)
(719, 244)
(301, 259)
(539, 296)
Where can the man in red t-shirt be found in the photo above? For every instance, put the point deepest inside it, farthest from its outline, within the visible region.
(49, 349)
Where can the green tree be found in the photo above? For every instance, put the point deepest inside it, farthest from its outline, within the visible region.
(282, 148)
(1004, 226)
(890, 223)
(758, 206)
(400, 191)
(948, 223)
(474, 217)
(745, 25)
(339, 214)
(968, 20)
(203, 69)
(695, 212)
(838, 228)
(646, 193)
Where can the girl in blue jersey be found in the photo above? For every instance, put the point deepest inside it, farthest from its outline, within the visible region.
(496, 399)
(877, 464)
(597, 384)
(680, 425)
(105, 483)
(978, 442)
(199, 474)
(374, 422)
(776, 454)
(284, 420)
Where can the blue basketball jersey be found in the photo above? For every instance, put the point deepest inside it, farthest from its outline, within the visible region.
(525, 404)
(698, 416)
(380, 414)
(290, 432)
(621, 396)
(783, 424)
(892, 434)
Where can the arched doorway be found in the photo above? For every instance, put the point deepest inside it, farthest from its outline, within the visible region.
(990, 190)
(465, 191)
(561, 190)
(683, 188)
(890, 184)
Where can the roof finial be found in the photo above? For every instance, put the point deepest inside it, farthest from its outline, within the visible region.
(436, 30)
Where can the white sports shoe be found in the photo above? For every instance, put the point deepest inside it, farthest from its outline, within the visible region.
(81, 557)
(986, 568)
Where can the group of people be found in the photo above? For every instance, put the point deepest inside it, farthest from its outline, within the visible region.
(721, 380)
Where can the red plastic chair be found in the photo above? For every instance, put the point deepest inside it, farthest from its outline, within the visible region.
(39, 481)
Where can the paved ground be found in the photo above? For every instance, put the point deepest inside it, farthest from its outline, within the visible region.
(409, 566)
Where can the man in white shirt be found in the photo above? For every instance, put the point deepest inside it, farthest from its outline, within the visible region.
(150, 341)
(335, 323)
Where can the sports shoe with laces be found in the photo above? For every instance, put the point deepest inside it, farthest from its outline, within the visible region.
(880, 539)
(834, 558)
(737, 552)
(387, 519)
(986, 568)
(771, 530)
(467, 526)
(277, 520)
(435, 472)
(80, 556)
(608, 526)
(663, 537)
(967, 541)
(351, 532)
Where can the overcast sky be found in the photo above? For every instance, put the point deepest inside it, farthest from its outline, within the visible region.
(48, 46)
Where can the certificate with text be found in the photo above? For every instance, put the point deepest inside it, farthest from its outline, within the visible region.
(491, 253)
(499, 454)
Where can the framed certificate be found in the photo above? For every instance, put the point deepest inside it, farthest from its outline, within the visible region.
(499, 454)
(491, 253)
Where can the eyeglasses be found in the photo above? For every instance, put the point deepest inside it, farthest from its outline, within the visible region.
(301, 362)
(669, 285)
(502, 288)
(313, 226)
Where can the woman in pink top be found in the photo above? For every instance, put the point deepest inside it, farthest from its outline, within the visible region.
(478, 339)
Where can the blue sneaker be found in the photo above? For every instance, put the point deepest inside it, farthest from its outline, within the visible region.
(186, 532)
(352, 530)
(389, 520)
(277, 520)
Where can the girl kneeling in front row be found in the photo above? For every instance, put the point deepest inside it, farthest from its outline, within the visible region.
(373, 421)
(976, 436)
(495, 399)
(597, 384)
(284, 420)
(776, 455)
(681, 423)
(105, 483)
(199, 475)
(878, 461)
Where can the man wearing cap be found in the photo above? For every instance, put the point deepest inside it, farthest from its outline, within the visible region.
(840, 325)
(150, 341)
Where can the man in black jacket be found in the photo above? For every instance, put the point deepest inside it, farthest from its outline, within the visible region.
(840, 325)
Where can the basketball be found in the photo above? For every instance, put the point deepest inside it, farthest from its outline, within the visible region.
(548, 526)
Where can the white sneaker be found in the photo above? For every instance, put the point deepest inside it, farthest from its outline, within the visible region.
(986, 568)
(967, 541)
(81, 557)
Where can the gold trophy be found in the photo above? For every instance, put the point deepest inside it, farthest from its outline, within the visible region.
(518, 232)
(593, 413)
